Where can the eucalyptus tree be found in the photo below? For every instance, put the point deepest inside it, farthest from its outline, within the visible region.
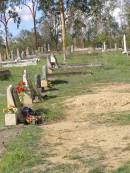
(62, 7)
(33, 6)
(57, 6)
(7, 14)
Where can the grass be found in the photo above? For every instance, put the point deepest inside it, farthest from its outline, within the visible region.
(22, 153)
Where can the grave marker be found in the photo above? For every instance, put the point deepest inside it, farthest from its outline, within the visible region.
(124, 45)
(13, 101)
(44, 83)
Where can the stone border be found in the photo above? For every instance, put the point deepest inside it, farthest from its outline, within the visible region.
(4, 74)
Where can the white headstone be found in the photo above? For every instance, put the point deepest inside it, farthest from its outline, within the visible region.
(10, 99)
(25, 77)
(27, 51)
(18, 55)
(115, 46)
(104, 46)
(49, 48)
(13, 98)
(124, 44)
(22, 54)
(12, 55)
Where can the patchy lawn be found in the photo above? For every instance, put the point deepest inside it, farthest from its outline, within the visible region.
(87, 121)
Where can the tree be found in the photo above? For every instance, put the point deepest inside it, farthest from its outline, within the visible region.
(59, 8)
(6, 14)
(25, 39)
(33, 10)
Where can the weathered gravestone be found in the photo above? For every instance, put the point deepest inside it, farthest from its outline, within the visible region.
(0, 57)
(44, 83)
(12, 55)
(18, 55)
(49, 67)
(22, 55)
(13, 102)
(28, 94)
(31, 94)
(27, 52)
(37, 81)
(53, 61)
(124, 45)
(104, 47)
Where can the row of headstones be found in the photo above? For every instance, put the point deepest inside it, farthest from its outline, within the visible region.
(104, 46)
(16, 55)
(31, 95)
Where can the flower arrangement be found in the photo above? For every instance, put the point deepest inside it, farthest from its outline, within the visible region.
(21, 89)
(10, 109)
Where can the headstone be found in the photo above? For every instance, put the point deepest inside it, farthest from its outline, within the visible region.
(44, 72)
(42, 49)
(18, 55)
(104, 46)
(49, 67)
(37, 80)
(53, 61)
(12, 97)
(39, 49)
(27, 51)
(0, 57)
(13, 101)
(32, 52)
(10, 119)
(48, 47)
(72, 48)
(28, 95)
(48, 63)
(115, 46)
(44, 82)
(124, 44)
(22, 55)
(45, 49)
(12, 54)
(25, 77)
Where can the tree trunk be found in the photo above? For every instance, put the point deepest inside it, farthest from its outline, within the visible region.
(6, 42)
(34, 25)
(63, 28)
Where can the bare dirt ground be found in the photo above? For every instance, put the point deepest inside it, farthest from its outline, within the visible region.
(95, 133)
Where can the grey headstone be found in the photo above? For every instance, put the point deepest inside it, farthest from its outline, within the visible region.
(44, 72)
(37, 80)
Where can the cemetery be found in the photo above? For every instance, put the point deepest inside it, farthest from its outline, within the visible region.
(64, 86)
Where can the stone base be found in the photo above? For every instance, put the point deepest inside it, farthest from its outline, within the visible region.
(10, 119)
(27, 100)
(49, 71)
(44, 83)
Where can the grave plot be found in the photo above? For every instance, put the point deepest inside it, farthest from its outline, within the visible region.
(4, 74)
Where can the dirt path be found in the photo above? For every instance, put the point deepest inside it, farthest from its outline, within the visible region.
(95, 134)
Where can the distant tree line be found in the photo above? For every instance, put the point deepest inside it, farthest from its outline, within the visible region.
(64, 23)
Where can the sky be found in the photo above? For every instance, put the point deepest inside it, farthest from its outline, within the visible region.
(26, 20)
